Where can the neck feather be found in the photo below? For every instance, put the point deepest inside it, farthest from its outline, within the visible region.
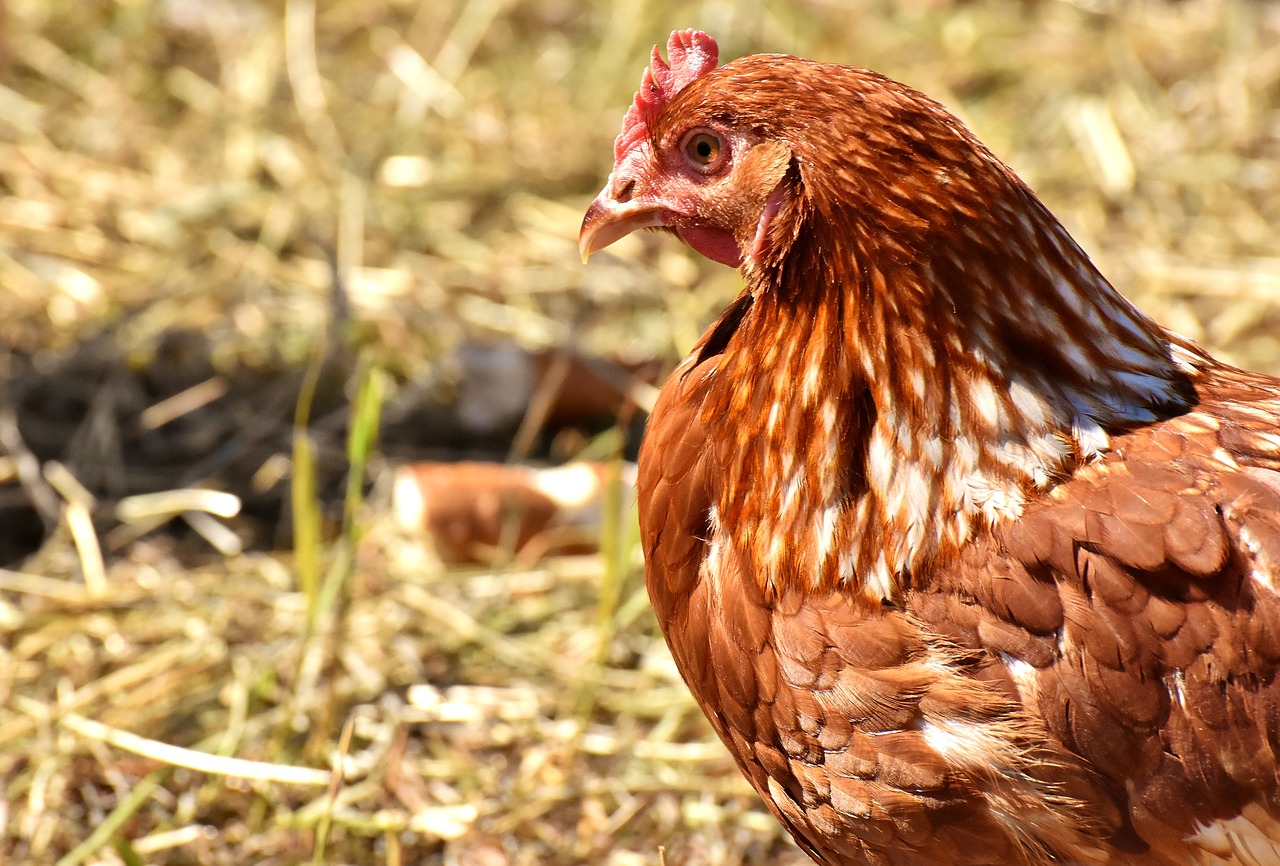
(878, 407)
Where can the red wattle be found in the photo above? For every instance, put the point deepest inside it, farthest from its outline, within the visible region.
(716, 244)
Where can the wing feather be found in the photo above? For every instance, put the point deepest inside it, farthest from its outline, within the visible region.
(1156, 570)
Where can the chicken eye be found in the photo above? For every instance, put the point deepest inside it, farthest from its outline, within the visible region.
(702, 149)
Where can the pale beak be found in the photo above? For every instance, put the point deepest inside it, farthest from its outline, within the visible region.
(608, 220)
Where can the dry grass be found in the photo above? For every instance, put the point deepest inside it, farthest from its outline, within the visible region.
(175, 177)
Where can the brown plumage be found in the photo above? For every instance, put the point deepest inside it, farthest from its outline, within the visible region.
(966, 559)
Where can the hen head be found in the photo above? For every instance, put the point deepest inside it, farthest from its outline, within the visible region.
(720, 156)
(686, 165)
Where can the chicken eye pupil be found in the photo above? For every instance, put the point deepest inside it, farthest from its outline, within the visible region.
(704, 148)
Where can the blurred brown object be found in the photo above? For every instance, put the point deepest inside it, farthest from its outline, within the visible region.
(596, 387)
(499, 381)
(496, 400)
(489, 512)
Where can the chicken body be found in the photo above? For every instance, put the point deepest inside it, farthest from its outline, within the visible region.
(966, 560)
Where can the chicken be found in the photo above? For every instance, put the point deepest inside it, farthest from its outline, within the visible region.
(966, 559)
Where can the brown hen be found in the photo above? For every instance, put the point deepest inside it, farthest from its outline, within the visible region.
(966, 559)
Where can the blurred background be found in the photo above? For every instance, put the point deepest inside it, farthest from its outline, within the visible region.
(269, 270)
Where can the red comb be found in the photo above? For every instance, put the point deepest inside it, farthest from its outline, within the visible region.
(692, 54)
